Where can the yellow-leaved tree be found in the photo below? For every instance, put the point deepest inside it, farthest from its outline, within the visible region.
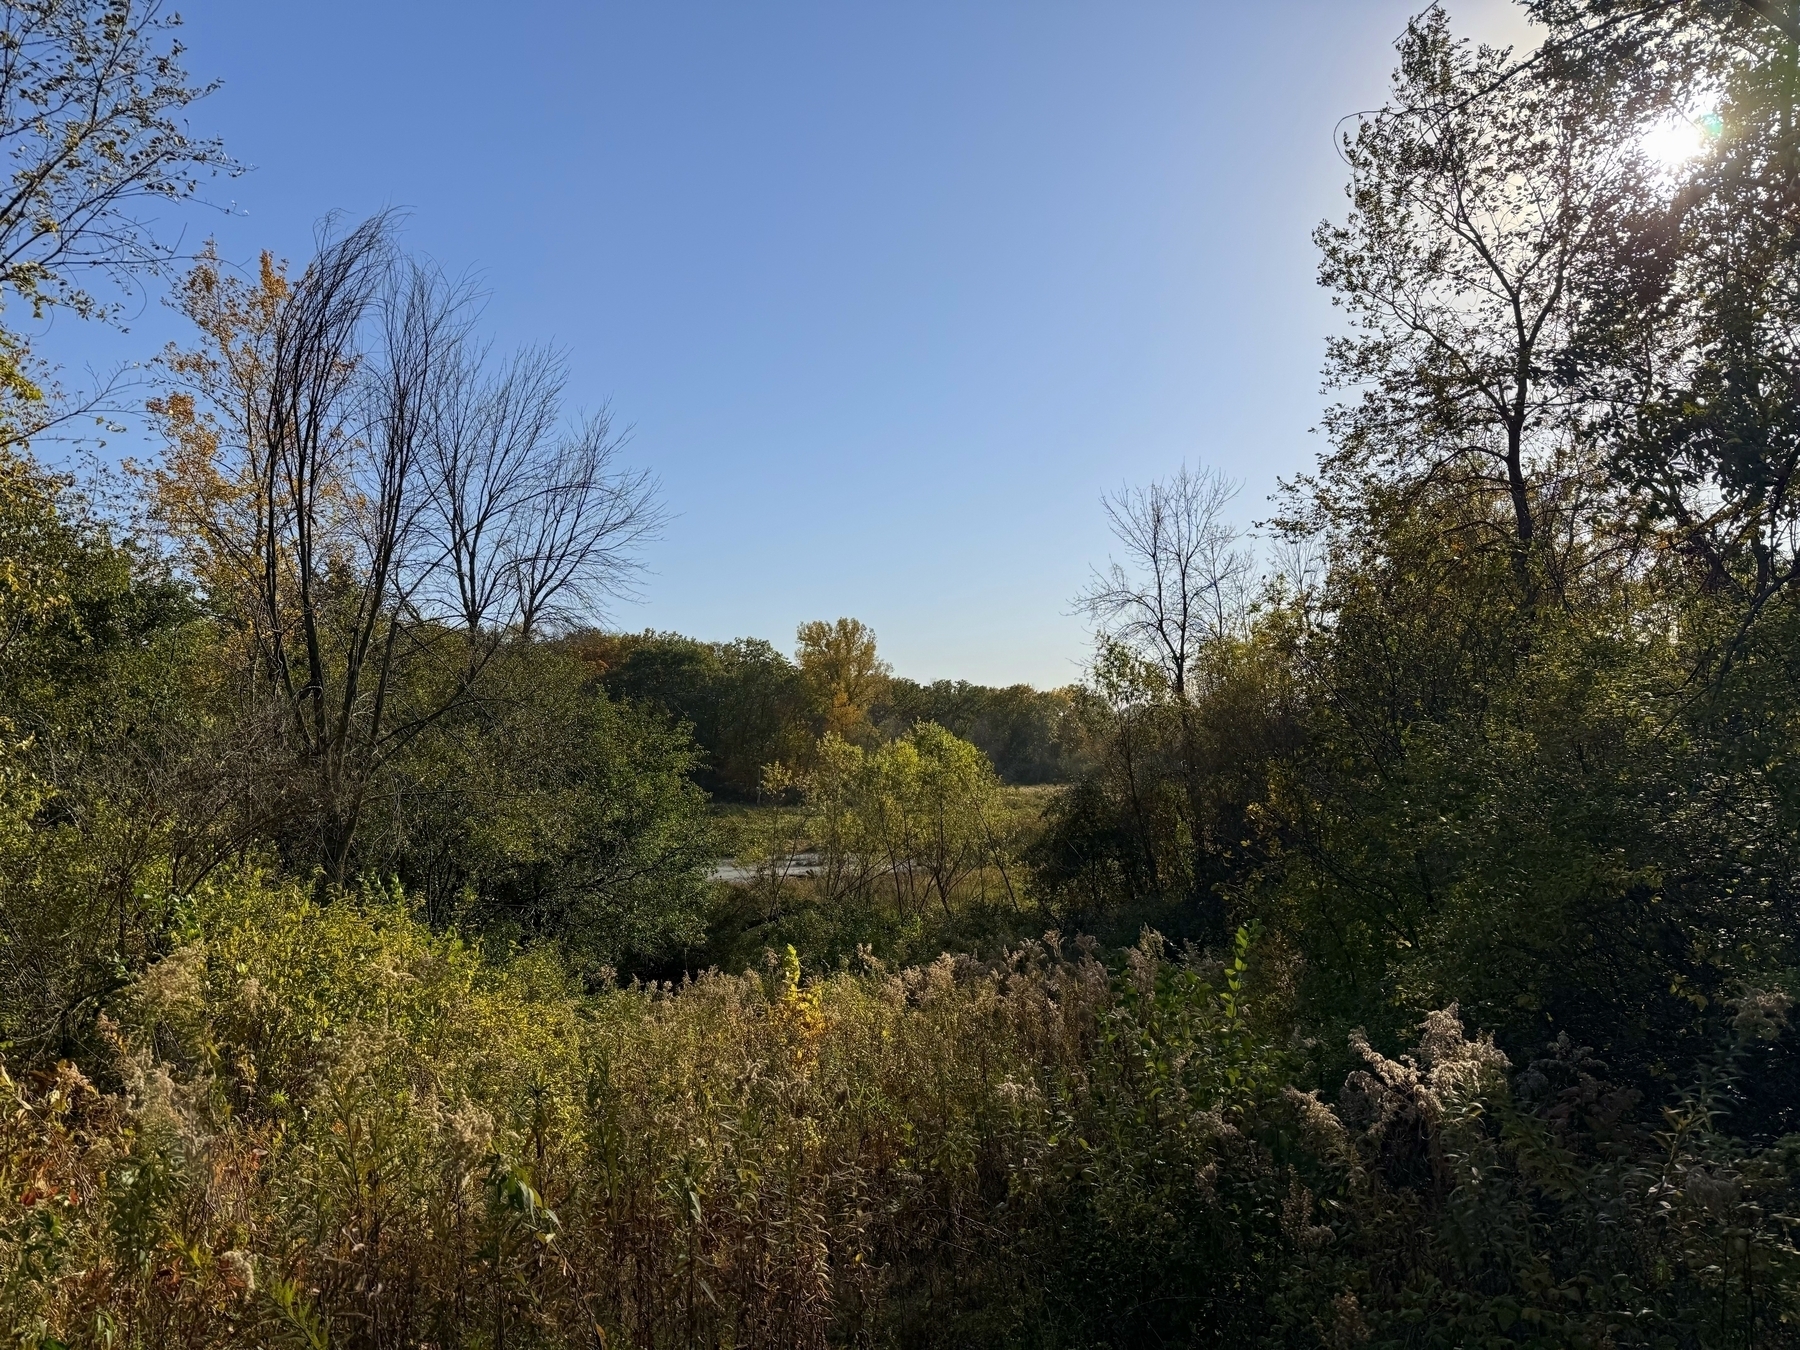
(844, 676)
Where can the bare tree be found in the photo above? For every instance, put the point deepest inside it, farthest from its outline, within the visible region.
(1177, 604)
(1185, 577)
(379, 514)
(488, 428)
(533, 521)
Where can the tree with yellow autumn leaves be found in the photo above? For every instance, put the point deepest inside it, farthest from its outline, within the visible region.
(844, 676)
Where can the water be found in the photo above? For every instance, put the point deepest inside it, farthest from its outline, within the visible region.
(735, 873)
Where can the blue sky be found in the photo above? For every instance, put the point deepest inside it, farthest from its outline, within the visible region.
(889, 292)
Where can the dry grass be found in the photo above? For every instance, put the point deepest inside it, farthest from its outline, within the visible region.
(332, 1127)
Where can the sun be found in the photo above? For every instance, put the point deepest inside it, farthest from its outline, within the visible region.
(1673, 142)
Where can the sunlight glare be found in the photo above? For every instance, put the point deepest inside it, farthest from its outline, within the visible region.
(1672, 143)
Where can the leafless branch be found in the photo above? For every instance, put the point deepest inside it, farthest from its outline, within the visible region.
(396, 506)
(1185, 578)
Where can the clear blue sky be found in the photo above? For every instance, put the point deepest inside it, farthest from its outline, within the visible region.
(891, 292)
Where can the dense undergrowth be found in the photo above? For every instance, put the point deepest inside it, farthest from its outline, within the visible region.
(329, 1126)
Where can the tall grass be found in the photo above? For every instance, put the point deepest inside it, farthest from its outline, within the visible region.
(325, 1125)
(329, 1125)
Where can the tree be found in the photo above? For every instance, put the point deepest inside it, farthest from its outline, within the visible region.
(1185, 579)
(743, 700)
(546, 811)
(527, 523)
(1654, 44)
(90, 92)
(1533, 804)
(354, 486)
(843, 674)
(1172, 613)
(1479, 195)
(1690, 349)
(954, 797)
(102, 719)
(1021, 729)
(912, 817)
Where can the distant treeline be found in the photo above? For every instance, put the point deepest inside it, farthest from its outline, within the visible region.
(1030, 734)
(750, 706)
